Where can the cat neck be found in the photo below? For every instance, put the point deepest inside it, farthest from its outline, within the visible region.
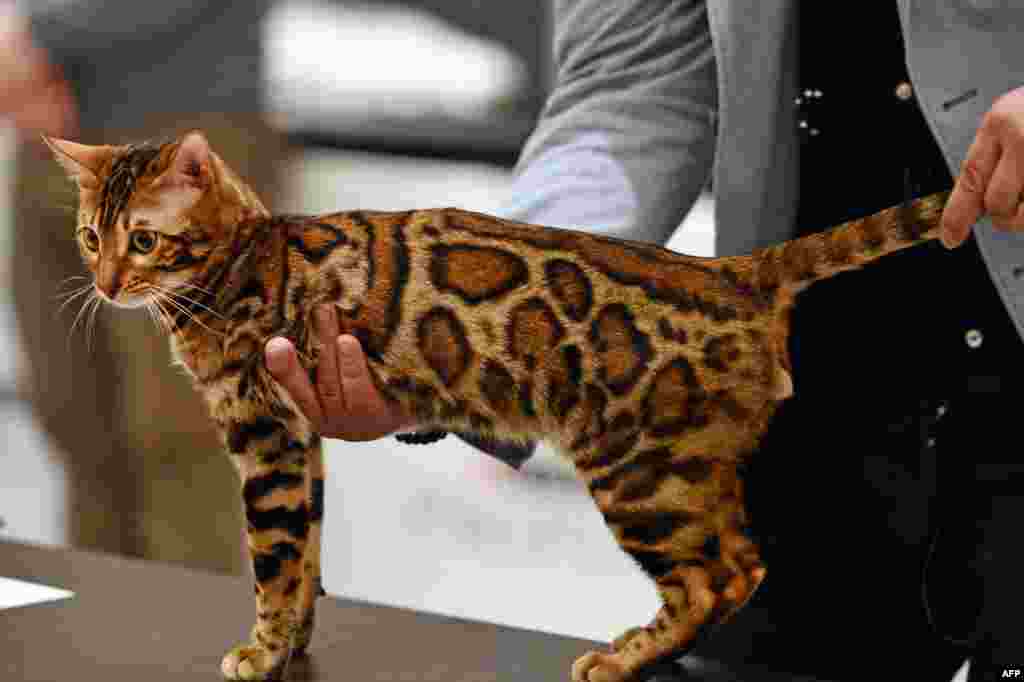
(241, 269)
(235, 273)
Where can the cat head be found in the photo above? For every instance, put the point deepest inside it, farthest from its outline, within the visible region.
(153, 217)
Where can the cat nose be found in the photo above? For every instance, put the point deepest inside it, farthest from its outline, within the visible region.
(108, 281)
(109, 289)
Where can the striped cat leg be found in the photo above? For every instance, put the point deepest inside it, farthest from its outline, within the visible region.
(312, 584)
(273, 466)
(682, 522)
(693, 601)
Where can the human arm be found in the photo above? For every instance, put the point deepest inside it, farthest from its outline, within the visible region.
(34, 95)
(626, 140)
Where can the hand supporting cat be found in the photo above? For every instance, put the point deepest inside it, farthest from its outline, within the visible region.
(344, 403)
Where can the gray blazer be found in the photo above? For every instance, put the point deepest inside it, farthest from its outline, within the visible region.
(652, 97)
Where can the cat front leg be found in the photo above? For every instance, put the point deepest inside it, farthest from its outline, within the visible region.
(312, 582)
(275, 469)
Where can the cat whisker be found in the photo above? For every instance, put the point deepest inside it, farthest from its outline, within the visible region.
(199, 288)
(92, 323)
(159, 316)
(63, 294)
(74, 324)
(71, 297)
(185, 311)
(165, 317)
(149, 311)
(187, 300)
(158, 319)
(164, 297)
(192, 300)
(72, 291)
(70, 279)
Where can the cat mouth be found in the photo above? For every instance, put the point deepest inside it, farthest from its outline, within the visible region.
(136, 301)
(132, 297)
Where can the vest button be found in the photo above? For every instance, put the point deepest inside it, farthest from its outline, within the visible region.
(904, 91)
(974, 337)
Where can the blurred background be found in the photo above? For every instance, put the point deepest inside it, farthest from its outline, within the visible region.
(383, 106)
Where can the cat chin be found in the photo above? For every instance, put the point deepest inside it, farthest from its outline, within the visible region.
(136, 301)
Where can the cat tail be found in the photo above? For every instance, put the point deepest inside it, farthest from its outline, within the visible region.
(792, 266)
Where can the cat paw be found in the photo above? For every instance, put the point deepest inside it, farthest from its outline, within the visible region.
(253, 662)
(622, 640)
(597, 666)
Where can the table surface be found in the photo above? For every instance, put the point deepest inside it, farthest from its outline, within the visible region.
(136, 620)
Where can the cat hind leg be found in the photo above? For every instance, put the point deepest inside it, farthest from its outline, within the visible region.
(696, 595)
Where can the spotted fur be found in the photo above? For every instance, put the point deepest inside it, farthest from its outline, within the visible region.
(655, 373)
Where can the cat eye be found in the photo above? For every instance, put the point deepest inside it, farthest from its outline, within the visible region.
(89, 238)
(143, 241)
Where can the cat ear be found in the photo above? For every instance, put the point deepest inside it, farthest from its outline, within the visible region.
(82, 162)
(187, 175)
(190, 165)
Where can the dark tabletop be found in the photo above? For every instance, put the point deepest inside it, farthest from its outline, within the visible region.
(136, 620)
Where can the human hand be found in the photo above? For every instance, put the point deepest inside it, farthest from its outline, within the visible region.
(34, 96)
(345, 404)
(991, 178)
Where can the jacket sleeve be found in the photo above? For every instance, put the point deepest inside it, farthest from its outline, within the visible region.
(626, 139)
(75, 29)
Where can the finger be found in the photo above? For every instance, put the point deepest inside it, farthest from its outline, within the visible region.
(967, 201)
(368, 414)
(328, 382)
(360, 391)
(283, 364)
(1002, 196)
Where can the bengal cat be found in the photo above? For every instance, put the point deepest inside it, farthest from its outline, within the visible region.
(655, 373)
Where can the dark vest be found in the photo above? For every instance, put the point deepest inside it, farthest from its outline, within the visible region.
(858, 469)
(866, 146)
